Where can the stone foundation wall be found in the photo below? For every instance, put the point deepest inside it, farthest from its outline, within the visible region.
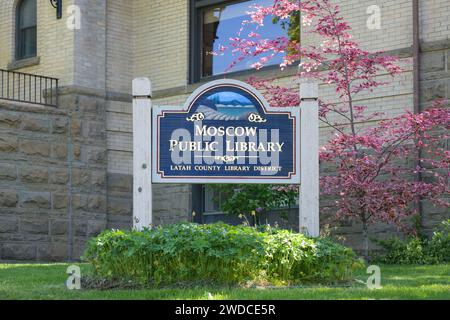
(52, 178)
(435, 84)
(55, 190)
(33, 183)
(435, 71)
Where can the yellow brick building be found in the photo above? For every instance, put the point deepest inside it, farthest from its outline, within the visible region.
(78, 181)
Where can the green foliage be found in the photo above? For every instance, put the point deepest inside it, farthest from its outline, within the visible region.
(401, 252)
(292, 256)
(292, 25)
(217, 253)
(255, 199)
(439, 246)
(418, 250)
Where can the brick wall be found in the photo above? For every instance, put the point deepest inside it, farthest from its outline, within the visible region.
(119, 45)
(162, 53)
(434, 20)
(55, 48)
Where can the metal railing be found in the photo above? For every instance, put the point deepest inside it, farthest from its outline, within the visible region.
(30, 88)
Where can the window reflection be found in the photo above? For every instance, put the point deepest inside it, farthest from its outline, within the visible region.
(223, 21)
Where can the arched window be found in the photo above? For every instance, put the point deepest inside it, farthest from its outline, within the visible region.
(26, 22)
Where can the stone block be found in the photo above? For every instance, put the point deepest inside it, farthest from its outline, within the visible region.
(120, 182)
(35, 124)
(94, 228)
(59, 151)
(96, 203)
(89, 104)
(60, 201)
(59, 227)
(433, 90)
(448, 60)
(60, 125)
(59, 251)
(433, 61)
(9, 224)
(120, 206)
(18, 252)
(81, 178)
(59, 176)
(98, 179)
(68, 101)
(43, 252)
(91, 203)
(95, 130)
(9, 120)
(35, 200)
(34, 226)
(35, 148)
(8, 144)
(76, 127)
(34, 175)
(80, 228)
(77, 152)
(56, 250)
(96, 155)
(8, 198)
(8, 172)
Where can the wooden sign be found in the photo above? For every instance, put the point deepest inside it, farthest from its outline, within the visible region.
(226, 133)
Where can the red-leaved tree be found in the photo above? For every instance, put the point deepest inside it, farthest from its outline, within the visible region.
(372, 180)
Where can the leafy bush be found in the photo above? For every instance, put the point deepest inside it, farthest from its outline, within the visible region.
(416, 250)
(217, 253)
(439, 246)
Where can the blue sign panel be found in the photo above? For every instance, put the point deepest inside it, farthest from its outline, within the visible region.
(226, 133)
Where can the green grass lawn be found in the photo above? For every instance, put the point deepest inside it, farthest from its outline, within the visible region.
(46, 281)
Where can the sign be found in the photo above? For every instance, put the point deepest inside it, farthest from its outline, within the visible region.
(226, 133)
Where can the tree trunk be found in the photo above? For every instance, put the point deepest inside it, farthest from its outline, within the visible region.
(365, 240)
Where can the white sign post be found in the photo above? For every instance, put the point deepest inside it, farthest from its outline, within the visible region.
(142, 153)
(309, 157)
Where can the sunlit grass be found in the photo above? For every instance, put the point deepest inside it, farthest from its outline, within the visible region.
(47, 281)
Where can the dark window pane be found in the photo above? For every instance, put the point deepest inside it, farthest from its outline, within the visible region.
(27, 14)
(220, 23)
(213, 199)
(29, 42)
(26, 29)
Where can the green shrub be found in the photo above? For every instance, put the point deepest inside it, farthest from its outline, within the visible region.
(416, 250)
(439, 246)
(401, 252)
(217, 253)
